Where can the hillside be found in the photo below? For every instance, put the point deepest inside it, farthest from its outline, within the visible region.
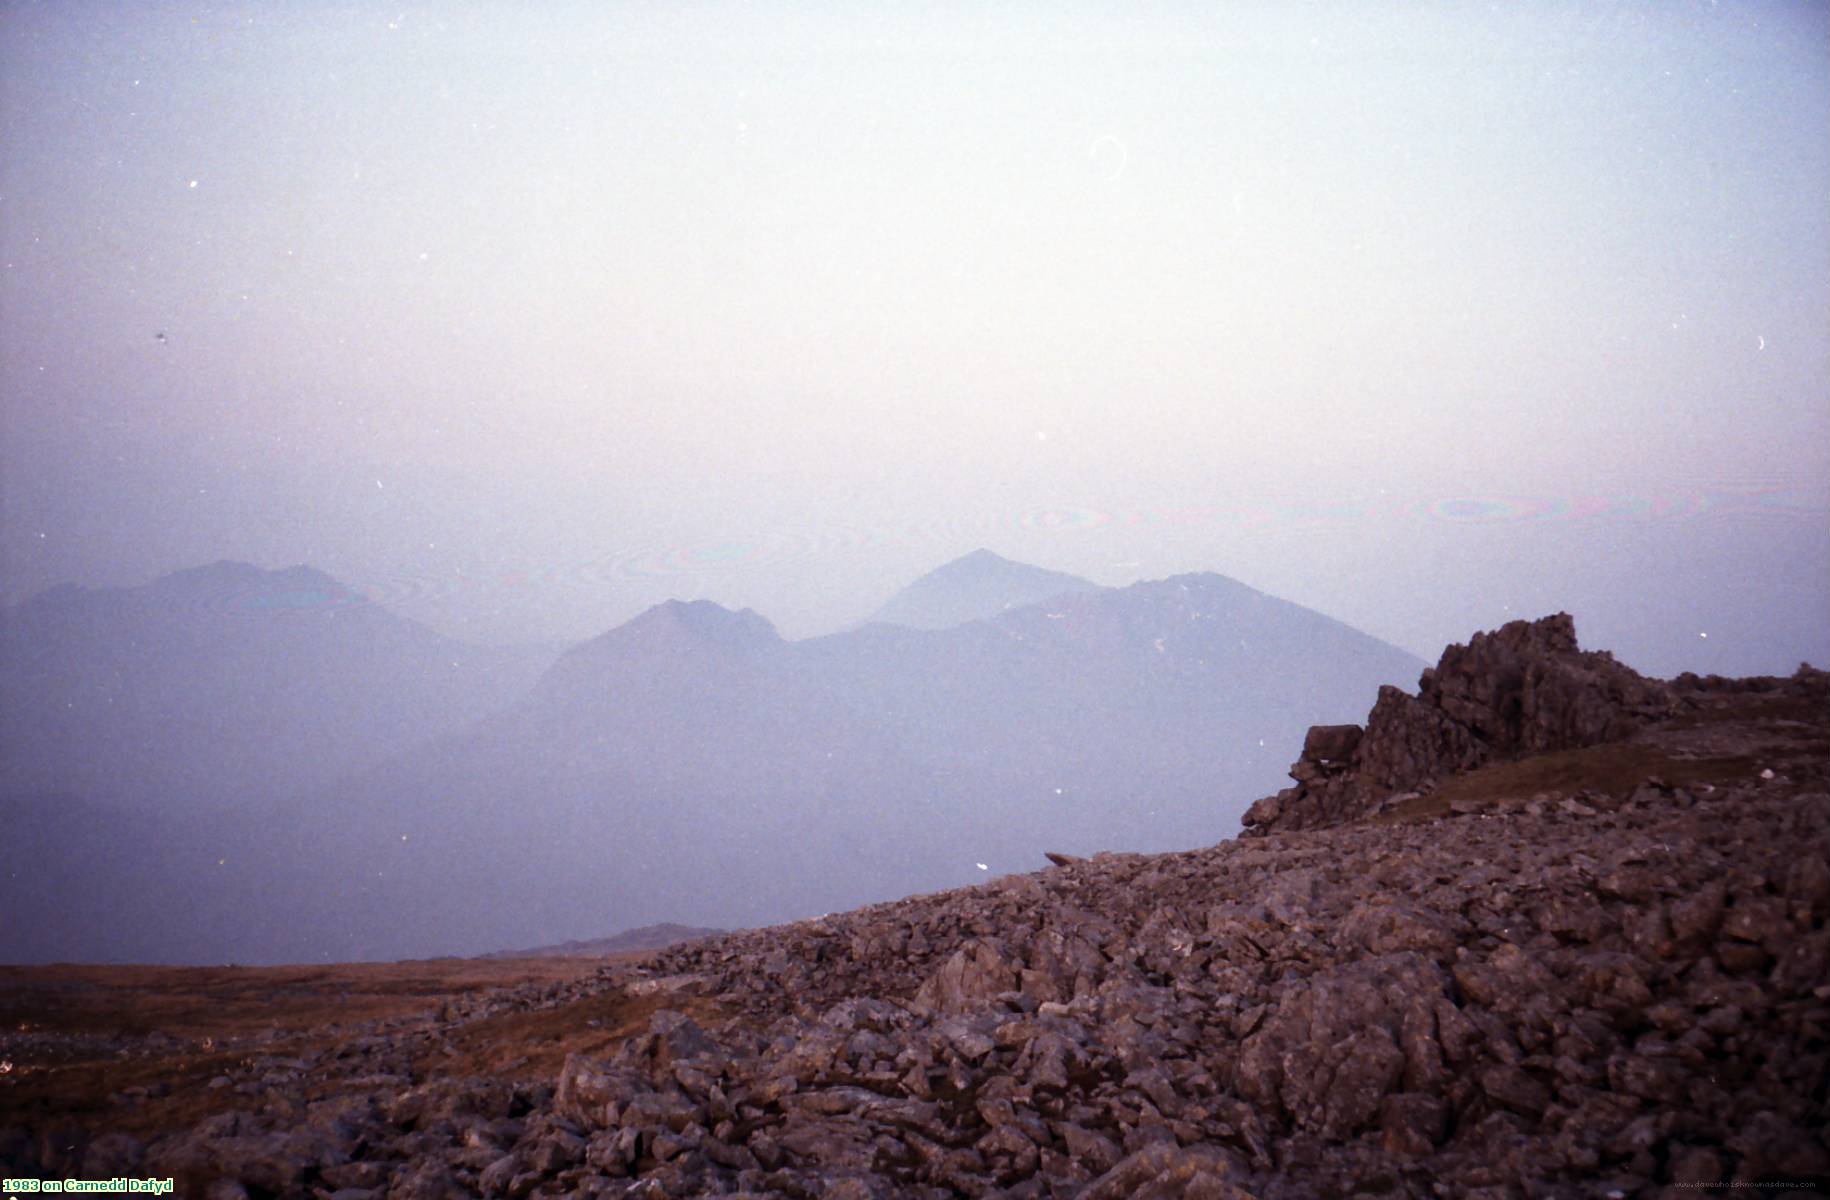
(260, 761)
(1592, 970)
(227, 687)
(695, 743)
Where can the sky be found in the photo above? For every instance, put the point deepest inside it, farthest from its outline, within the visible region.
(522, 318)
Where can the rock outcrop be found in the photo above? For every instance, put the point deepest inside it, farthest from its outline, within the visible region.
(1526, 688)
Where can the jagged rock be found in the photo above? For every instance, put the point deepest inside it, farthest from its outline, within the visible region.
(1513, 1088)
(1164, 1171)
(1267, 811)
(1386, 925)
(1411, 1123)
(976, 973)
(1527, 687)
(1524, 688)
(1090, 1149)
(1411, 744)
(1331, 743)
(660, 1110)
(556, 1151)
(1336, 1046)
(671, 1038)
(495, 1179)
(428, 1179)
(444, 1099)
(593, 1094)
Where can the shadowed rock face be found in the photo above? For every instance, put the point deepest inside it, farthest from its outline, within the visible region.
(1609, 990)
(1525, 688)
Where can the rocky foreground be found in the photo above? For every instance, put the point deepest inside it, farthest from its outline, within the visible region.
(1552, 930)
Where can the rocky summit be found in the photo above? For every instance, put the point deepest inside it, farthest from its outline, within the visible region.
(1524, 689)
(1545, 929)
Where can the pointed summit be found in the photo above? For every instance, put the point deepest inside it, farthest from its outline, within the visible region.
(669, 639)
(703, 621)
(972, 588)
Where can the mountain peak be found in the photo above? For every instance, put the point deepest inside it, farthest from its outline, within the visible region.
(983, 561)
(228, 584)
(667, 638)
(233, 572)
(708, 619)
(975, 587)
(679, 623)
(224, 585)
(221, 569)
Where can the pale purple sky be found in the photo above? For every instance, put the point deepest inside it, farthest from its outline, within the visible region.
(525, 317)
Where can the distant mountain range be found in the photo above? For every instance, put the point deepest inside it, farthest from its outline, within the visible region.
(689, 765)
(226, 687)
(630, 941)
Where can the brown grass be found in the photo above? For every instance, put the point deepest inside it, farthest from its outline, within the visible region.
(235, 1002)
(532, 1046)
(1753, 709)
(1778, 731)
(1614, 769)
(213, 1017)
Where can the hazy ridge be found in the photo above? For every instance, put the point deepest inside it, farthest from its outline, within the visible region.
(689, 765)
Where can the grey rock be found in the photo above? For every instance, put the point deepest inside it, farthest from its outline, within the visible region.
(110, 1155)
(592, 1093)
(1524, 688)
(427, 1179)
(1411, 1123)
(969, 980)
(1331, 743)
(1165, 1170)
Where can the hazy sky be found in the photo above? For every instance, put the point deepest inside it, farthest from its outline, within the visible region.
(524, 317)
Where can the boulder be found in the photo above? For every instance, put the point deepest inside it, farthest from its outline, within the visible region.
(970, 979)
(1331, 743)
(1163, 1171)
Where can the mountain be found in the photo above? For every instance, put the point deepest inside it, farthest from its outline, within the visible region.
(693, 766)
(630, 942)
(973, 588)
(104, 884)
(226, 687)
(689, 766)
